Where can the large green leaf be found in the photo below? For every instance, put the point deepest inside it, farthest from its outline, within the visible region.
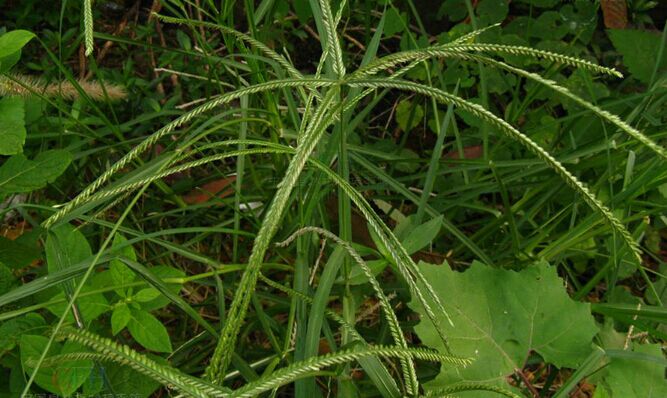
(10, 46)
(640, 49)
(12, 330)
(13, 41)
(148, 331)
(394, 22)
(45, 285)
(302, 10)
(501, 316)
(123, 381)
(12, 125)
(65, 247)
(19, 174)
(90, 306)
(637, 377)
(63, 378)
(492, 11)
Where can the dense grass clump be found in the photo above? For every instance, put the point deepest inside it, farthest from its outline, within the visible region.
(333, 197)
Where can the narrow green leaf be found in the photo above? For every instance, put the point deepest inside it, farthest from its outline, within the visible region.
(629, 377)
(49, 281)
(65, 246)
(320, 301)
(628, 311)
(587, 367)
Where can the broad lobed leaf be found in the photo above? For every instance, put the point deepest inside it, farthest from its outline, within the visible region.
(501, 316)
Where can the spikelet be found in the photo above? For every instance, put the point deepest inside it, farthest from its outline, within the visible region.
(18, 85)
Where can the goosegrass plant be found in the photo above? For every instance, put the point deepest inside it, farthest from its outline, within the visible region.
(312, 143)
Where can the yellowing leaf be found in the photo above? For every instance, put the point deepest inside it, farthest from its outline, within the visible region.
(206, 192)
(615, 13)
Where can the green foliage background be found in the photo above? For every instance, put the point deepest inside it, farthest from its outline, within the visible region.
(428, 247)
